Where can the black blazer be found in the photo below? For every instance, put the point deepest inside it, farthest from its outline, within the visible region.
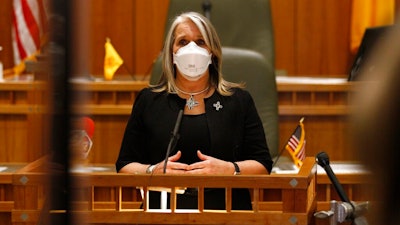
(236, 131)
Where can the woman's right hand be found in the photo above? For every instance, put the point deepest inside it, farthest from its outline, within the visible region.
(173, 167)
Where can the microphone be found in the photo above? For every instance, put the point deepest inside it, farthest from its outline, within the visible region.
(207, 9)
(323, 160)
(174, 139)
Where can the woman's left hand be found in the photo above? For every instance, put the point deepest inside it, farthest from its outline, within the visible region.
(210, 165)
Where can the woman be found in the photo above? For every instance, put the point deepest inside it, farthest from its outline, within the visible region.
(220, 132)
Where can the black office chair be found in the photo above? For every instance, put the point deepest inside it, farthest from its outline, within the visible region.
(245, 31)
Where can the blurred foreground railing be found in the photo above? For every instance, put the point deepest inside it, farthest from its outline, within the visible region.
(294, 205)
(111, 198)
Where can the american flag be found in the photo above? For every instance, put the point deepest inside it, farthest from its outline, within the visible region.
(29, 25)
(296, 145)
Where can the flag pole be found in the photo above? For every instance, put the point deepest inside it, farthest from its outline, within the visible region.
(277, 158)
(284, 147)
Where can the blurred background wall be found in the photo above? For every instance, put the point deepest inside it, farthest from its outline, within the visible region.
(312, 37)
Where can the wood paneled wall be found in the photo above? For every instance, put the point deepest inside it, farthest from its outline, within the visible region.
(311, 36)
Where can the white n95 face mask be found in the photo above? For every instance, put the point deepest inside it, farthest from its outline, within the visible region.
(192, 61)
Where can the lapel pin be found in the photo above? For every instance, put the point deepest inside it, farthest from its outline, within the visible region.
(217, 106)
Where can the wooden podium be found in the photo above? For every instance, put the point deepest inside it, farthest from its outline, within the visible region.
(295, 204)
(112, 198)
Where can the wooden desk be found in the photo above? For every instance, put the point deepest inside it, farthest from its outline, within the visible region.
(7, 203)
(307, 96)
(23, 120)
(325, 104)
(105, 97)
(357, 183)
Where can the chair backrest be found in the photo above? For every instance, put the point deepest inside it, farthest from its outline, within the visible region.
(245, 30)
(243, 24)
(249, 66)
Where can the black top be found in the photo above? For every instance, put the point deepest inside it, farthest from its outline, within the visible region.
(235, 131)
(193, 136)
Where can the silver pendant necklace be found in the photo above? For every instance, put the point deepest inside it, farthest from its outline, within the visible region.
(191, 102)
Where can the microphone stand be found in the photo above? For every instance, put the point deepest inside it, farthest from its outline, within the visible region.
(174, 139)
(340, 211)
(171, 145)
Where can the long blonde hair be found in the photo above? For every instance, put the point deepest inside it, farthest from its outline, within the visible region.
(207, 30)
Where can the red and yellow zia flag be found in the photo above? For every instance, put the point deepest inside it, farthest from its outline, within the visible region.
(112, 60)
(296, 145)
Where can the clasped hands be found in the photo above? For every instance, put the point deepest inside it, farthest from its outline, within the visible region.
(207, 165)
